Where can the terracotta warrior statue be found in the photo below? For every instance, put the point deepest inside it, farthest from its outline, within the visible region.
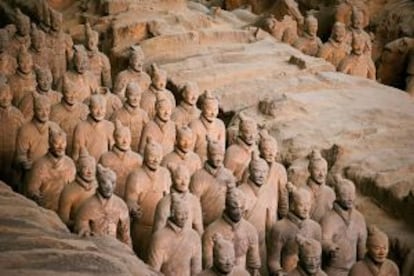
(62, 47)
(233, 227)
(357, 63)
(336, 48)
(344, 231)
(32, 137)
(323, 195)
(183, 153)
(21, 39)
(260, 208)
(11, 117)
(310, 258)
(131, 115)
(24, 80)
(121, 159)
(224, 259)
(69, 112)
(51, 173)
(357, 28)
(296, 222)
(176, 249)
(39, 51)
(210, 183)
(8, 63)
(277, 176)
(113, 103)
(80, 75)
(96, 133)
(104, 214)
(44, 80)
(375, 262)
(75, 193)
(162, 129)
(208, 125)
(187, 110)
(309, 43)
(180, 183)
(156, 91)
(238, 155)
(134, 73)
(99, 63)
(144, 189)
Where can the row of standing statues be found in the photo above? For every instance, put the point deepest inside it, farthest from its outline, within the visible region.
(349, 48)
(164, 178)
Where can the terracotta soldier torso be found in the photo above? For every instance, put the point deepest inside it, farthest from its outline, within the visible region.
(48, 178)
(24, 80)
(184, 114)
(73, 196)
(202, 128)
(104, 217)
(51, 173)
(121, 159)
(127, 76)
(164, 247)
(149, 99)
(134, 73)
(13, 119)
(39, 51)
(162, 212)
(21, 38)
(323, 198)
(237, 158)
(122, 163)
(243, 234)
(26, 105)
(68, 117)
(61, 45)
(104, 214)
(181, 181)
(286, 229)
(296, 222)
(161, 128)
(86, 85)
(183, 154)
(96, 137)
(44, 87)
(260, 207)
(31, 142)
(309, 45)
(375, 261)
(348, 234)
(323, 195)
(336, 48)
(176, 237)
(144, 189)
(187, 110)
(367, 267)
(113, 103)
(357, 65)
(95, 134)
(189, 159)
(8, 63)
(209, 184)
(99, 63)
